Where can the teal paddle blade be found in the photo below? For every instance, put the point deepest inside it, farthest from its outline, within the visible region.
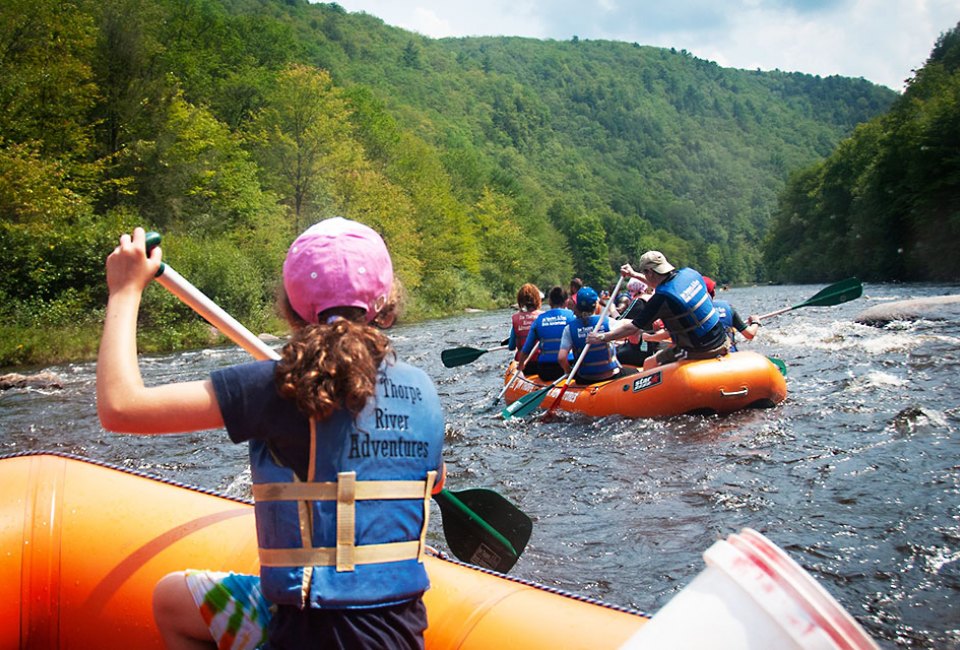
(835, 294)
(781, 366)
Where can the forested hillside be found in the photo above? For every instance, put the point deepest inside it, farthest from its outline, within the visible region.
(632, 147)
(885, 205)
(229, 125)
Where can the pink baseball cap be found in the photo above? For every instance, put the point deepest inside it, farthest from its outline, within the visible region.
(636, 286)
(337, 263)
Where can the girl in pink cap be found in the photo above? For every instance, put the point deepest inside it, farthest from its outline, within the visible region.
(345, 451)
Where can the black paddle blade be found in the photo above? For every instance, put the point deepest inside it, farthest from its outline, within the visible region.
(468, 518)
(835, 294)
(460, 356)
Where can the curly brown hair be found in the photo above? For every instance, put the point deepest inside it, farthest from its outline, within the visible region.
(333, 364)
(528, 297)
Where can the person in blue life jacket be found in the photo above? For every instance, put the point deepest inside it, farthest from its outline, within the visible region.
(336, 419)
(681, 301)
(731, 320)
(600, 362)
(547, 329)
(528, 303)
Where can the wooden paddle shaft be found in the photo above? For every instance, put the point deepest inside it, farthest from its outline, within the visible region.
(776, 313)
(583, 354)
(516, 373)
(196, 300)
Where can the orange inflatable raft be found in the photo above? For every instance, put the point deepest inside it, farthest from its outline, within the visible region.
(84, 544)
(736, 381)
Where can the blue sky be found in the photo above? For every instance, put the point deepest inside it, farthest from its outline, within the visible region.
(879, 40)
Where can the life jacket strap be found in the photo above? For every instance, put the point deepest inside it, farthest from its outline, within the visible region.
(427, 495)
(328, 491)
(677, 319)
(346, 520)
(327, 556)
(346, 491)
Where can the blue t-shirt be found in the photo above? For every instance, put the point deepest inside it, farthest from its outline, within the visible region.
(548, 330)
(253, 409)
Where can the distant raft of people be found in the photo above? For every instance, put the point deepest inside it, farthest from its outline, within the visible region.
(664, 315)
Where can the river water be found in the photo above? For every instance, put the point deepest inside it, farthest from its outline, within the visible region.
(856, 475)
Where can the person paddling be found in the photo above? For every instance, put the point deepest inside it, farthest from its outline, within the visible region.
(548, 330)
(732, 322)
(528, 303)
(575, 285)
(681, 300)
(345, 447)
(600, 362)
(635, 348)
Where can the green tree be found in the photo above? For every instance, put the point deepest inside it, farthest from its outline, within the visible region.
(33, 190)
(195, 175)
(46, 82)
(884, 205)
(133, 89)
(505, 262)
(302, 137)
(590, 252)
(411, 55)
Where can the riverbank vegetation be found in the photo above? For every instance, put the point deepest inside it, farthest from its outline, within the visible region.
(230, 125)
(885, 205)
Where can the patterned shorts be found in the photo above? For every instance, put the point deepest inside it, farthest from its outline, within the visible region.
(232, 606)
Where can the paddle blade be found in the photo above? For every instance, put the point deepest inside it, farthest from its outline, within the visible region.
(553, 406)
(835, 294)
(483, 528)
(526, 404)
(460, 356)
(781, 366)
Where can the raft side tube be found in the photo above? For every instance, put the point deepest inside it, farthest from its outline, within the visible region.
(722, 385)
(85, 543)
(93, 542)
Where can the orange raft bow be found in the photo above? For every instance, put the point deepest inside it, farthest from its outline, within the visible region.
(730, 383)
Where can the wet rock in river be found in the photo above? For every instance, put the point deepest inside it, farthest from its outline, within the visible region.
(932, 308)
(36, 380)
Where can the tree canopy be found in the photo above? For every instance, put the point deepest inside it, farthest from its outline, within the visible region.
(230, 125)
(885, 204)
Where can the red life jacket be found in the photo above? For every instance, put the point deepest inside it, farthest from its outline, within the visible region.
(522, 320)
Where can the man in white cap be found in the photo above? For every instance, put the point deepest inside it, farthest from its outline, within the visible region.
(681, 300)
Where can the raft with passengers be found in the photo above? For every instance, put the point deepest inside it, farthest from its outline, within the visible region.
(88, 548)
(698, 371)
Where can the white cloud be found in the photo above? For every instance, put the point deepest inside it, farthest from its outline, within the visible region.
(427, 22)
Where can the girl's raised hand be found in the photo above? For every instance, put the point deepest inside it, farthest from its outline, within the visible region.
(128, 265)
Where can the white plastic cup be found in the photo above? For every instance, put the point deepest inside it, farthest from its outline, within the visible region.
(751, 596)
